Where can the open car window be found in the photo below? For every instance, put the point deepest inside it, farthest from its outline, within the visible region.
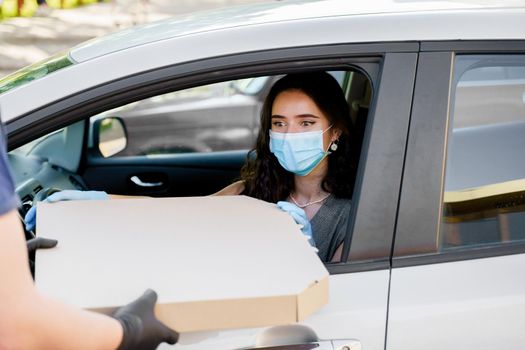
(188, 142)
(222, 116)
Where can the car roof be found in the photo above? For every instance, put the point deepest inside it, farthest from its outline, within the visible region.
(264, 27)
(300, 10)
(411, 11)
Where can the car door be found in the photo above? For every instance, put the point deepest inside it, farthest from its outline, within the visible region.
(356, 314)
(457, 267)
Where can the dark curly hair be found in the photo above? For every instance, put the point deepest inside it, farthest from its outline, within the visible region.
(266, 179)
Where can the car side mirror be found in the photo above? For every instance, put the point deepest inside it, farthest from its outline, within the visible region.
(110, 136)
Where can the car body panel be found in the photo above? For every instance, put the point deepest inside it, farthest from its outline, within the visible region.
(357, 305)
(473, 304)
(463, 297)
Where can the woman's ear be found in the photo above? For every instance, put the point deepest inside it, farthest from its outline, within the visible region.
(336, 133)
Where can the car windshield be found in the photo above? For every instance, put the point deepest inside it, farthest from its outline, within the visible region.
(35, 71)
(250, 86)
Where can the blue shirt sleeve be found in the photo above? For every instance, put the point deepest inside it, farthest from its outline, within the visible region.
(8, 198)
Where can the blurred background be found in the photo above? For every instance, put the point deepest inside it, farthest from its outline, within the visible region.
(31, 30)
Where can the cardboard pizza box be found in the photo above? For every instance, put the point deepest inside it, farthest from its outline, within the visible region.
(216, 262)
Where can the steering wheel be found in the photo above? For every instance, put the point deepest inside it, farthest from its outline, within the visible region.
(44, 193)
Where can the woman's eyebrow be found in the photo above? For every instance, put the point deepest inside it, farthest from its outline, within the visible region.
(307, 116)
(277, 116)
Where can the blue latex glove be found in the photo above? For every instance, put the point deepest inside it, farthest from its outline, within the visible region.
(66, 195)
(300, 218)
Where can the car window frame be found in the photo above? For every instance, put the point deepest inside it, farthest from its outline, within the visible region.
(379, 176)
(325, 57)
(418, 229)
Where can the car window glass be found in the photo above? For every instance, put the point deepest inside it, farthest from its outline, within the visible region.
(215, 117)
(250, 86)
(210, 118)
(484, 197)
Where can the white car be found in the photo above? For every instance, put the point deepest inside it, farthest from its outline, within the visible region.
(435, 250)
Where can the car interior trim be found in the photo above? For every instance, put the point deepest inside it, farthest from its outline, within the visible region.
(217, 159)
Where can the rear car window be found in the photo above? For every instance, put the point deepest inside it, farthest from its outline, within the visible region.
(484, 198)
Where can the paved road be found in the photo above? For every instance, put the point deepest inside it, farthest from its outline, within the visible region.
(24, 41)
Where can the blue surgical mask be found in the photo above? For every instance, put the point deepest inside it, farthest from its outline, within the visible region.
(300, 152)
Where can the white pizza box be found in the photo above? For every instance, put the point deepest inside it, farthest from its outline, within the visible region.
(216, 262)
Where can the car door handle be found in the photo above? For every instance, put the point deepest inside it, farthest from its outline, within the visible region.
(305, 346)
(347, 344)
(137, 181)
(350, 344)
(299, 337)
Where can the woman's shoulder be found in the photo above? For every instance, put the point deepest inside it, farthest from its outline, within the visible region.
(338, 202)
(234, 189)
(333, 207)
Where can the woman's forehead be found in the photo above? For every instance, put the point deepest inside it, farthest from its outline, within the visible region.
(295, 103)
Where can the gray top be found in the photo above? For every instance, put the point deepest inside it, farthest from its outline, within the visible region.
(329, 226)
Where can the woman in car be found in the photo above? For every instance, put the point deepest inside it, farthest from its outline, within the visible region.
(304, 160)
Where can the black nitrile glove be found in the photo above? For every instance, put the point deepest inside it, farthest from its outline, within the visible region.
(37, 243)
(40, 243)
(142, 330)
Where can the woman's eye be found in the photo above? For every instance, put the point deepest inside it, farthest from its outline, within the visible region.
(307, 123)
(278, 124)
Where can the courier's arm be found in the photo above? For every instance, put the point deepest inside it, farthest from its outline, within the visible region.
(30, 320)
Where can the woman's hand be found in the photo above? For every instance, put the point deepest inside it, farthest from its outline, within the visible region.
(66, 195)
(300, 218)
(234, 189)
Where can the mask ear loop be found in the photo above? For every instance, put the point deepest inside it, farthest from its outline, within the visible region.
(333, 144)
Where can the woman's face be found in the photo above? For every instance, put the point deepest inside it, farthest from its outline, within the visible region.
(293, 111)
